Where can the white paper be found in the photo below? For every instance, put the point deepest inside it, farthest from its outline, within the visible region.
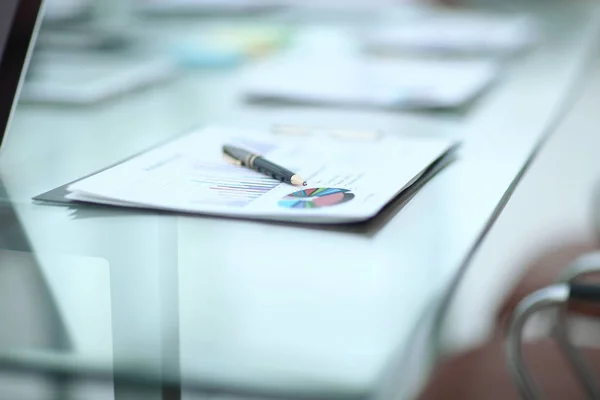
(228, 6)
(347, 180)
(360, 81)
(458, 32)
(75, 79)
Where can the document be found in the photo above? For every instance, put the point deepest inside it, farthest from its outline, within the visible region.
(87, 79)
(457, 32)
(348, 180)
(208, 6)
(365, 81)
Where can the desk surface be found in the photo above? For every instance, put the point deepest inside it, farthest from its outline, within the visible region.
(222, 302)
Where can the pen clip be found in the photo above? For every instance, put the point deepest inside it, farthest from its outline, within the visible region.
(231, 160)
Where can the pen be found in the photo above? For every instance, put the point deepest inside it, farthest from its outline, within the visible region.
(254, 161)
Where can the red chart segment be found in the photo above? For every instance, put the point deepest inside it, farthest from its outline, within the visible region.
(316, 198)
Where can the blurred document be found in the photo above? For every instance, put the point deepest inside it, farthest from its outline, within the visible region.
(457, 33)
(64, 9)
(78, 79)
(359, 81)
(348, 180)
(207, 6)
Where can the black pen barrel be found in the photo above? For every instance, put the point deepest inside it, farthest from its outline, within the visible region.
(273, 170)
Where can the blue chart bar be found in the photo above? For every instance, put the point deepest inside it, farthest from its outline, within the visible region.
(230, 185)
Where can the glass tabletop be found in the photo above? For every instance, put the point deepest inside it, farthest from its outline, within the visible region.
(97, 300)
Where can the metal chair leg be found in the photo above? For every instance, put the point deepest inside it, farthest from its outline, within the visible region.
(549, 297)
(583, 266)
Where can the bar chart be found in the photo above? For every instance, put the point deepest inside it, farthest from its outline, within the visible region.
(228, 185)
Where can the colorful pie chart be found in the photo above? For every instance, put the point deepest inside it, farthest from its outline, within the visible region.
(316, 198)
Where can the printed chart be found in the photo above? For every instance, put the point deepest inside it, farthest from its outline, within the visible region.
(222, 184)
(316, 198)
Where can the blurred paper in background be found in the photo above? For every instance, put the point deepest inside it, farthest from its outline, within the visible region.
(457, 32)
(356, 81)
(86, 79)
(64, 9)
(206, 6)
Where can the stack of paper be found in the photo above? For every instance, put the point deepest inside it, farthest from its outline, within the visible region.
(456, 32)
(360, 81)
(347, 180)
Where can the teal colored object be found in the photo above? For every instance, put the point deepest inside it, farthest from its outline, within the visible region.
(229, 47)
(198, 56)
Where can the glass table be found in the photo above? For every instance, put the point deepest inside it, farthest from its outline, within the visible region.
(101, 302)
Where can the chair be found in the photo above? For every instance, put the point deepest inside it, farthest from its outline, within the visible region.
(571, 288)
(555, 365)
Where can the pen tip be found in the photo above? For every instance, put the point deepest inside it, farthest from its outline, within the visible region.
(298, 181)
